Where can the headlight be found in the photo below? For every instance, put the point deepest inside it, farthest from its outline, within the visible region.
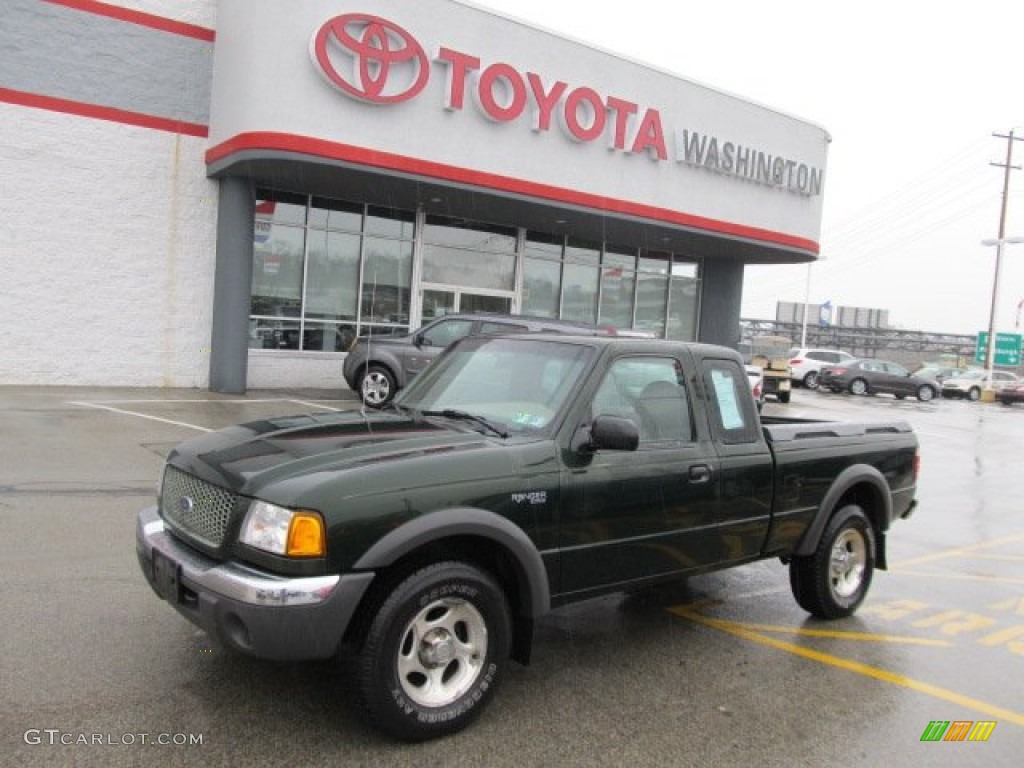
(294, 533)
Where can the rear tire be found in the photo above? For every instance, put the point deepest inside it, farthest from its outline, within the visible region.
(811, 380)
(434, 651)
(858, 387)
(377, 387)
(974, 394)
(832, 582)
(784, 397)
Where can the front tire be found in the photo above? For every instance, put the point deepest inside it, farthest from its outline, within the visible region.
(858, 387)
(832, 582)
(783, 397)
(434, 651)
(925, 393)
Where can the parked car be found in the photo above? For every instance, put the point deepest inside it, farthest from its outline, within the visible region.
(806, 364)
(1011, 394)
(869, 377)
(377, 367)
(970, 384)
(938, 373)
(755, 374)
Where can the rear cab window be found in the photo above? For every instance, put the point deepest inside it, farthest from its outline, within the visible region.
(731, 405)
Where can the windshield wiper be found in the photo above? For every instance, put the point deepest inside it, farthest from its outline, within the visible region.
(451, 413)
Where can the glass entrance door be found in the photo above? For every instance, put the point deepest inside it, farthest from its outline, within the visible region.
(438, 301)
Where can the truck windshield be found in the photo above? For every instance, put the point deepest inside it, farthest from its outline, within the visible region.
(519, 383)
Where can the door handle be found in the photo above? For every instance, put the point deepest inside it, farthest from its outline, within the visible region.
(700, 473)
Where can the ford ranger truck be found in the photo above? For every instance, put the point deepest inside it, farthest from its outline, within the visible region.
(515, 475)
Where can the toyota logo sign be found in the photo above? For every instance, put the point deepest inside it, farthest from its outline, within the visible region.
(370, 58)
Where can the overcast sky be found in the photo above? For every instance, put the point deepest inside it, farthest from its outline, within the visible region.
(911, 93)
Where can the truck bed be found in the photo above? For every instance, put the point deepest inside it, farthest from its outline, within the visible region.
(783, 429)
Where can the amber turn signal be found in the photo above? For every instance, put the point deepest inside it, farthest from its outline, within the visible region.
(306, 537)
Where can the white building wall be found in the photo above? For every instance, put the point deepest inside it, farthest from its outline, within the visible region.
(107, 252)
(203, 13)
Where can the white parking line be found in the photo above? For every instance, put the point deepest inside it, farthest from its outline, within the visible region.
(206, 400)
(98, 406)
(106, 405)
(308, 404)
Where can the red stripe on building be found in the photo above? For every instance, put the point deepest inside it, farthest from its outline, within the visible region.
(138, 17)
(82, 109)
(320, 148)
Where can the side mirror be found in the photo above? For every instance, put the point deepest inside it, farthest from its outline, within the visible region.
(420, 340)
(612, 433)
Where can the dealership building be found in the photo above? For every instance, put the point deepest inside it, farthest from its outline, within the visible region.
(223, 194)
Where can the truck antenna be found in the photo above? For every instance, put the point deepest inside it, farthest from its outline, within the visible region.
(369, 347)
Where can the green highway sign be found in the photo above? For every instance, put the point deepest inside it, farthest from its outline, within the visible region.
(1007, 348)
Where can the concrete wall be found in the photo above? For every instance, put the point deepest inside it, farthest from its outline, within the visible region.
(288, 369)
(107, 228)
(107, 252)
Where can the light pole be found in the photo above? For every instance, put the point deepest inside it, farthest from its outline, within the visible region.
(990, 351)
(999, 242)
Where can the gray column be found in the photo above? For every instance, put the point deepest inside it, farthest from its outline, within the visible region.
(229, 353)
(721, 298)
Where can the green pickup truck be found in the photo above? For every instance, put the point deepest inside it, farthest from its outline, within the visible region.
(515, 475)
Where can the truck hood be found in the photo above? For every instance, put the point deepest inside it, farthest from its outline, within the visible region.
(248, 457)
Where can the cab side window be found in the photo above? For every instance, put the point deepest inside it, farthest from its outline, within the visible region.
(652, 392)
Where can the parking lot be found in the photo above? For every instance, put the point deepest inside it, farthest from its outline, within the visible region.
(722, 670)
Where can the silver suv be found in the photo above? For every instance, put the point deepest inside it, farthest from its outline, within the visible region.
(377, 367)
(805, 363)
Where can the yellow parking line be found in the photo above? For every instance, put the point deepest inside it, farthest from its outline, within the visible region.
(1011, 558)
(963, 577)
(840, 635)
(967, 702)
(957, 551)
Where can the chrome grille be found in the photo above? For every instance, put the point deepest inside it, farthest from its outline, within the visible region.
(195, 506)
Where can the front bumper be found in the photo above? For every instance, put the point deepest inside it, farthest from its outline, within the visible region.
(257, 613)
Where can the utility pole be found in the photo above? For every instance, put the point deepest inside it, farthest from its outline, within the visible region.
(990, 352)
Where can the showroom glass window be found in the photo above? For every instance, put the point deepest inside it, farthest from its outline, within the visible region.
(542, 275)
(624, 287)
(580, 280)
(326, 270)
(469, 254)
(684, 300)
(618, 286)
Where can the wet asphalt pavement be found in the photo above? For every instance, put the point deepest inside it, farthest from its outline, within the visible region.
(723, 670)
